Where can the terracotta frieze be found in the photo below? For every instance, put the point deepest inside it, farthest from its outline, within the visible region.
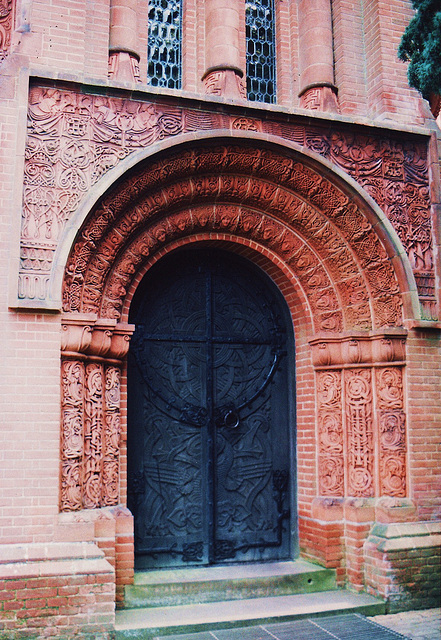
(74, 139)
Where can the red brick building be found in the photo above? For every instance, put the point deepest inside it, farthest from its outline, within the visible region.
(276, 149)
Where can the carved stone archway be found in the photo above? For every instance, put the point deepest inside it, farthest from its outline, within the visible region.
(330, 252)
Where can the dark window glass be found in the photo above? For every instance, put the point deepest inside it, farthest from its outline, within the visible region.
(261, 57)
(164, 43)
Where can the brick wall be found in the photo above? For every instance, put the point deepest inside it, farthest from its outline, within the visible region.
(59, 590)
(403, 564)
(424, 420)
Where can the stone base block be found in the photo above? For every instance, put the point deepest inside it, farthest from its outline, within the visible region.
(402, 564)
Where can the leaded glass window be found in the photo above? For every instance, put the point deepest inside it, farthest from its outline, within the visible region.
(164, 43)
(261, 56)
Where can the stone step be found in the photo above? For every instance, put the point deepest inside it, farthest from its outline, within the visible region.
(149, 623)
(235, 582)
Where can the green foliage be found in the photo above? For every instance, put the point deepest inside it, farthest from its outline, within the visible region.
(421, 46)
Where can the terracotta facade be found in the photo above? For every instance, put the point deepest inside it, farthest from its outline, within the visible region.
(333, 191)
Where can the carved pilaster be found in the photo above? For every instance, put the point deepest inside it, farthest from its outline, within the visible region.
(91, 352)
(359, 382)
(392, 431)
(359, 433)
(72, 436)
(330, 433)
(111, 436)
(123, 41)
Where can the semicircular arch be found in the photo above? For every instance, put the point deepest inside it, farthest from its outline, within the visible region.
(338, 245)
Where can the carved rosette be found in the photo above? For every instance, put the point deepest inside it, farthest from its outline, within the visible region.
(91, 354)
(359, 383)
(392, 431)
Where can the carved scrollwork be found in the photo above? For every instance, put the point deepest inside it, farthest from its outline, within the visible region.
(72, 381)
(359, 432)
(91, 411)
(90, 435)
(330, 437)
(110, 462)
(74, 139)
(392, 431)
(92, 445)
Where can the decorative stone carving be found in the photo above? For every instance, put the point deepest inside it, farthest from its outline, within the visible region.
(361, 358)
(314, 238)
(124, 67)
(392, 431)
(225, 82)
(362, 348)
(6, 25)
(75, 138)
(321, 98)
(360, 452)
(72, 437)
(91, 410)
(330, 433)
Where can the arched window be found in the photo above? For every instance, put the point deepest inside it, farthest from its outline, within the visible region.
(165, 43)
(261, 53)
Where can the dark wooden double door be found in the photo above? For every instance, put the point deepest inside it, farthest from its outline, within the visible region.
(208, 414)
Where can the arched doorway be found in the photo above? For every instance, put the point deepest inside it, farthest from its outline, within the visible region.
(210, 413)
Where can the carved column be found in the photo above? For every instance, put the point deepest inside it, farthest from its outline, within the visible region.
(92, 353)
(316, 56)
(223, 75)
(361, 436)
(123, 41)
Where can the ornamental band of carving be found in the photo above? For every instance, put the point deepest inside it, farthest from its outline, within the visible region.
(75, 138)
(315, 238)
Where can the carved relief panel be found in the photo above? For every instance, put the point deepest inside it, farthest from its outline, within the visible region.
(392, 431)
(90, 414)
(76, 138)
(361, 432)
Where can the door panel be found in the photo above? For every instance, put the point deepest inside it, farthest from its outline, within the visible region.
(208, 445)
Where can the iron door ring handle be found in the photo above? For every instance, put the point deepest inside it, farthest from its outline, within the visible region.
(231, 419)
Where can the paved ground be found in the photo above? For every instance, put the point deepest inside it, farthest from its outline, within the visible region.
(417, 625)
(414, 625)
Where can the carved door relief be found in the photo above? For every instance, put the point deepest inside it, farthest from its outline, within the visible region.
(90, 411)
(361, 419)
(208, 414)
